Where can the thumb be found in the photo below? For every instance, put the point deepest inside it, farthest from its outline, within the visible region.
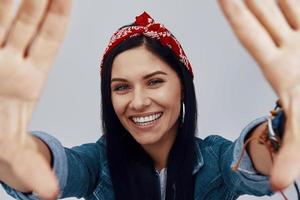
(37, 174)
(286, 167)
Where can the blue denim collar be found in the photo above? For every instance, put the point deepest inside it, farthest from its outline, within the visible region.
(199, 162)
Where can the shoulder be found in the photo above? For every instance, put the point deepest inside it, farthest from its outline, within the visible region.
(102, 141)
(102, 147)
(213, 146)
(211, 141)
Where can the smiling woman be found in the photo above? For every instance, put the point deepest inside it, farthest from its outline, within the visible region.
(147, 90)
(149, 112)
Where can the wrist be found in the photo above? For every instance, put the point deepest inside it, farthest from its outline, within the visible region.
(14, 116)
(289, 97)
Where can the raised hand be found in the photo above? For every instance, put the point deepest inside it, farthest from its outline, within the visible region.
(29, 42)
(270, 31)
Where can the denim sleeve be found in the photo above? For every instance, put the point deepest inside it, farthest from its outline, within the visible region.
(246, 180)
(76, 168)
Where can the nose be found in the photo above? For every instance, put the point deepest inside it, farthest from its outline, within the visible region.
(140, 100)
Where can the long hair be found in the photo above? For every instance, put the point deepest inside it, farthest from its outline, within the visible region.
(131, 168)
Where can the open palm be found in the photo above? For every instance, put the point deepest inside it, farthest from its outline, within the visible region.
(270, 31)
(29, 41)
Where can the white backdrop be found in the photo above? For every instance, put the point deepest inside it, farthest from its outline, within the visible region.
(230, 88)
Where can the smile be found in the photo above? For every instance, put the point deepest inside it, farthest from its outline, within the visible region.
(146, 120)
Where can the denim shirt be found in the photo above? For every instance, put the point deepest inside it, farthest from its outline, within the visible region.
(82, 171)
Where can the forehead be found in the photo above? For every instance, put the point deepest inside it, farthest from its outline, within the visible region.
(137, 62)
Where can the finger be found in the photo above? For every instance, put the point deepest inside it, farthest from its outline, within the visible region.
(41, 179)
(51, 34)
(269, 14)
(291, 10)
(26, 23)
(249, 31)
(6, 17)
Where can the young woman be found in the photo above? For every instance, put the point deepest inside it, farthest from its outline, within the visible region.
(148, 150)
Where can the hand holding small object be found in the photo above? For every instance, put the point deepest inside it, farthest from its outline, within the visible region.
(270, 31)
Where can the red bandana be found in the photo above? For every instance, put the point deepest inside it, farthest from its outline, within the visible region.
(145, 25)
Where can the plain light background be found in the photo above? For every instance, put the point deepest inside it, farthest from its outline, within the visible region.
(230, 88)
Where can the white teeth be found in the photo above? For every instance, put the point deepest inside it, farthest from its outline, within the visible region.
(147, 119)
(151, 117)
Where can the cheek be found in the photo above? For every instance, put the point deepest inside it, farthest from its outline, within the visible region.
(170, 97)
(119, 105)
(175, 104)
(174, 99)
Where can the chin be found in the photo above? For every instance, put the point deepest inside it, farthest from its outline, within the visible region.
(147, 140)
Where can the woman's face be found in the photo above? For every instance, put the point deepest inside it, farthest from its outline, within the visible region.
(146, 96)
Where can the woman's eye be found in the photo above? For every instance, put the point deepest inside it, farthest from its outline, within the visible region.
(120, 87)
(155, 82)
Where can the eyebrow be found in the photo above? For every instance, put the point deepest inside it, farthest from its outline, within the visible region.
(145, 77)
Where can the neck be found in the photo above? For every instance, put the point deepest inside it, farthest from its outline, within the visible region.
(159, 151)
